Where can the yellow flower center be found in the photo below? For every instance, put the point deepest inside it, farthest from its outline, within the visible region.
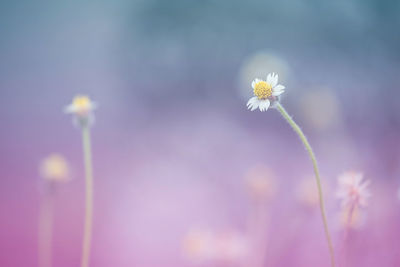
(81, 102)
(262, 90)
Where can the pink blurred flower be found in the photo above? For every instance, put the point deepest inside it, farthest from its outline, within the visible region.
(353, 190)
(202, 245)
(197, 245)
(260, 183)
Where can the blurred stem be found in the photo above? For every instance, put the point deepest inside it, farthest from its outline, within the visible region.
(350, 217)
(87, 234)
(307, 145)
(347, 232)
(45, 230)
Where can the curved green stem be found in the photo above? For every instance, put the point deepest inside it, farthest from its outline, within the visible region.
(307, 145)
(87, 233)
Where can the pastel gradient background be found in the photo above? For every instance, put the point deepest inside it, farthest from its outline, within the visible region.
(173, 140)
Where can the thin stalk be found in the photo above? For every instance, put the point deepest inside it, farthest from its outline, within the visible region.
(346, 233)
(307, 145)
(45, 230)
(87, 234)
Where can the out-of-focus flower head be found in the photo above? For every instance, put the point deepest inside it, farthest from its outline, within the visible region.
(266, 92)
(54, 168)
(204, 245)
(197, 245)
(82, 107)
(353, 191)
(260, 183)
(307, 192)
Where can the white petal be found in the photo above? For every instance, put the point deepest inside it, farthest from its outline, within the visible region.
(254, 105)
(252, 100)
(278, 93)
(274, 80)
(269, 78)
(279, 87)
(70, 109)
(264, 105)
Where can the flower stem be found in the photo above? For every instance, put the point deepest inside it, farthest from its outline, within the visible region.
(45, 230)
(87, 234)
(307, 145)
(346, 234)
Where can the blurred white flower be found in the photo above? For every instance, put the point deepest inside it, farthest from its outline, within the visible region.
(54, 168)
(82, 107)
(353, 190)
(266, 92)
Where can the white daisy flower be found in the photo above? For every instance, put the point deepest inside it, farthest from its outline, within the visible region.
(266, 92)
(82, 107)
(353, 190)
